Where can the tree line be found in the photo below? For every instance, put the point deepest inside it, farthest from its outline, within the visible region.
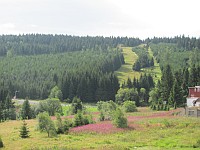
(182, 41)
(35, 44)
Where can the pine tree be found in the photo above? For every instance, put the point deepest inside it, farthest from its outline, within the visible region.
(177, 94)
(24, 131)
(137, 66)
(26, 112)
(129, 83)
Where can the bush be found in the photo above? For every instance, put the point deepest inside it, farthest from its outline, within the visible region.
(129, 106)
(101, 116)
(106, 109)
(197, 145)
(119, 119)
(81, 119)
(67, 124)
(1, 143)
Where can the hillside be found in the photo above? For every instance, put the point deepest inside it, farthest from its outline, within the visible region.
(73, 72)
(130, 57)
(126, 71)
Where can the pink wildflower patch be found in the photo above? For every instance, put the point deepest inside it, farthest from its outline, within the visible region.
(101, 127)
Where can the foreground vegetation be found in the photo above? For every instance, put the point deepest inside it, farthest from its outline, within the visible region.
(147, 130)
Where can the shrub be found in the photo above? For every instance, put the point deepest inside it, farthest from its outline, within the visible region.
(1, 143)
(101, 116)
(197, 145)
(67, 124)
(129, 106)
(106, 109)
(119, 119)
(78, 119)
(81, 119)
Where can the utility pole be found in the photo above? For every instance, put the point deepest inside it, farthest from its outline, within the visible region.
(15, 97)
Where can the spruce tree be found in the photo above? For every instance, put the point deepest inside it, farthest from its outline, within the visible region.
(177, 94)
(166, 83)
(26, 112)
(185, 83)
(193, 76)
(24, 131)
(129, 83)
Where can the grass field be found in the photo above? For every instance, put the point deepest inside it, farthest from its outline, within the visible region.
(148, 130)
(126, 70)
(155, 70)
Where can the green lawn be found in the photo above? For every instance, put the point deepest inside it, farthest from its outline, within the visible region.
(126, 70)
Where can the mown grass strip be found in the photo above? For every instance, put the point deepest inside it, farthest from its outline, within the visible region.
(126, 70)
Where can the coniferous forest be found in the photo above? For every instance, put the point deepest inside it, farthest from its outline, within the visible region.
(80, 66)
(31, 65)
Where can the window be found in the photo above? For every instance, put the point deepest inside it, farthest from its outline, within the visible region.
(191, 113)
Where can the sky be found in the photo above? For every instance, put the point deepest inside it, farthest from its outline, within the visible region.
(132, 18)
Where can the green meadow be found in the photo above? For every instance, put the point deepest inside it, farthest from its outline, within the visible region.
(148, 130)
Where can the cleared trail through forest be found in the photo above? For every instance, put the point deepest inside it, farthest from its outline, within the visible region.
(126, 70)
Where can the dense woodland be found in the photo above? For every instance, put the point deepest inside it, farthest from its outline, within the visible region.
(79, 66)
(84, 66)
(87, 74)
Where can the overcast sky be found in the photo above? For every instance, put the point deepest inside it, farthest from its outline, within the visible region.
(133, 18)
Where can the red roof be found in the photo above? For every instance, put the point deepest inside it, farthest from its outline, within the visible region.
(194, 91)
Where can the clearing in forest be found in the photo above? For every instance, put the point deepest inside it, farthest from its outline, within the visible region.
(154, 70)
(126, 70)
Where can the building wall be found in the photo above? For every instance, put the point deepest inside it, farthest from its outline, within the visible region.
(190, 101)
(192, 112)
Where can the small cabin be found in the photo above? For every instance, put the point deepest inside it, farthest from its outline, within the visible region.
(193, 99)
